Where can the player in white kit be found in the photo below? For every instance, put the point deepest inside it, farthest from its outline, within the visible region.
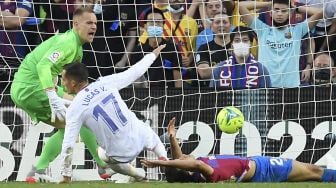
(100, 107)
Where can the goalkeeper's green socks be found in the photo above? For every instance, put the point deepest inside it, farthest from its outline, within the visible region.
(91, 143)
(50, 150)
(53, 148)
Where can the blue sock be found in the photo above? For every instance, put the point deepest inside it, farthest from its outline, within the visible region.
(329, 175)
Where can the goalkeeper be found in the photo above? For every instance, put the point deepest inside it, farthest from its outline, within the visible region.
(230, 168)
(34, 88)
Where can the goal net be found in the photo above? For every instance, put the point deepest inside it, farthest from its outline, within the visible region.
(295, 122)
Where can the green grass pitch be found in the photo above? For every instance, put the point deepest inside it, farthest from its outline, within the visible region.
(95, 184)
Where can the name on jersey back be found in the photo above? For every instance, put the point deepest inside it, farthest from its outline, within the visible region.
(91, 94)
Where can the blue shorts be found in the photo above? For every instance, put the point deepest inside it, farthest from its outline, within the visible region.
(271, 169)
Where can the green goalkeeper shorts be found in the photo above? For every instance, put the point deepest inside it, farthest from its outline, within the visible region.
(33, 100)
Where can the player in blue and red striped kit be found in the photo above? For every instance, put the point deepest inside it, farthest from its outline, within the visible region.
(229, 168)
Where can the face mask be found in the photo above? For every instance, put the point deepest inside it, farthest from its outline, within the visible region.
(241, 49)
(155, 31)
(98, 8)
(175, 8)
(323, 75)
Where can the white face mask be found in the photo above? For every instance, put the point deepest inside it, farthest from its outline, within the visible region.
(241, 49)
(98, 8)
(174, 11)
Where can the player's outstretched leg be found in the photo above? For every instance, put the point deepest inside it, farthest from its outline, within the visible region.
(309, 172)
(154, 143)
(127, 169)
(160, 151)
(91, 143)
(50, 151)
(122, 168)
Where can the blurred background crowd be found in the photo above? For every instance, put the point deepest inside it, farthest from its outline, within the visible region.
(210, 43)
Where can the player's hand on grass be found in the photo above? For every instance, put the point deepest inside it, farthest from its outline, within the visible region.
(171, 128)
(57, 106)
(66, 179)
(157, 50)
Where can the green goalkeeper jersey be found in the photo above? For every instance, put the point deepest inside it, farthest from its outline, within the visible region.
(46, 61)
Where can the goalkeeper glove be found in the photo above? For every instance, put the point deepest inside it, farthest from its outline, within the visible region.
(57, 106)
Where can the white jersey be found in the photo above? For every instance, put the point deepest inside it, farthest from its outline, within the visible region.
(100, 107)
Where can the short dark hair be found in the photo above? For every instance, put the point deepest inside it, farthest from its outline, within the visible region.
(242, 30)
(80, 11)
(77, 72)
(182, 176)
(283, 2)
(153, 11)
(207, 2)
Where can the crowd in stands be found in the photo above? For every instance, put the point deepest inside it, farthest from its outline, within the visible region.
(222, 44)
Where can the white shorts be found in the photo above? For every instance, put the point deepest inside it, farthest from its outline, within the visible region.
(142, 138)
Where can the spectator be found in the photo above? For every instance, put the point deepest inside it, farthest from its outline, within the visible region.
(228, 6)
(13, 43)
(207, 9)
(241, 70)
(159, 4)
(324, 70)
(115, 38)
(182, 30)
(216, 51)
(329, 42)
(323, 25)
(164, 72)
(279, 45)
(122, 32)
(236, 20)
(307, 43)
(143, 5)
(212, 7)
(60, 13)
(184, 36)
(14, 14)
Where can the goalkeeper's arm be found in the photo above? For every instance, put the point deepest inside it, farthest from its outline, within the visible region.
(57, 106)
(44, 74)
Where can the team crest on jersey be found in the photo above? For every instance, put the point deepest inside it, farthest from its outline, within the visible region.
(54, 57)
(288, 35)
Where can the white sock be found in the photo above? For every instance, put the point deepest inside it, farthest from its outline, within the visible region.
(160, 151)
(127, 169)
